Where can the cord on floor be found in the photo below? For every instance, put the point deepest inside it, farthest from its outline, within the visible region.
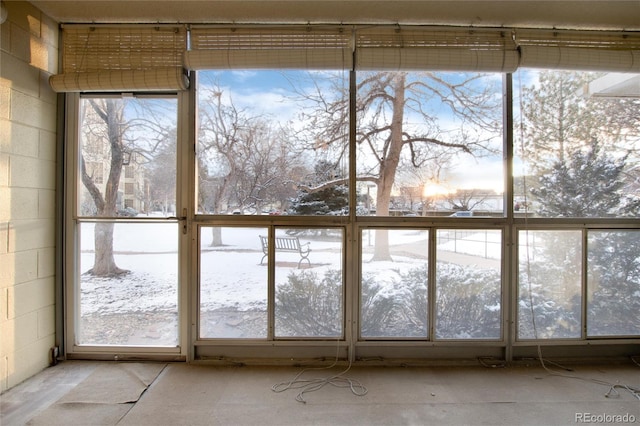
(312, 385)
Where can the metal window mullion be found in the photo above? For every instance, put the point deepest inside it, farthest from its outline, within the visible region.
(508, 275)
(431, 284)
(271, 283)
(583, 283)
(72, 237)
(188, 243)
(353, 235)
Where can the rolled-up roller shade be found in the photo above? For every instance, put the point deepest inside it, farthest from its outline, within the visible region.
(157, 79)
(121, 58)
(269, 47)
(436, 59)
(441, 49)
(555, 57)
(579, 50)
(152, 58)
(268, 59)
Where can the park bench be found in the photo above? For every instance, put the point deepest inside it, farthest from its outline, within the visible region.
(291, 244)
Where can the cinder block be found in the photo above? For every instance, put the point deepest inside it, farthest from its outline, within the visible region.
(22, 76)
(35, 23)
(4, 170)
(5, 100)
(7, 270)
(29, 172)
(49, 32)
(19, 43)
(11, 303)
(5, 203)
(47, 322)
(18, 267)
(4, 304)
(7, 331)
(21, 331)
(22, 203)
(5, 133)
(18, 13)
(46, 262)
(26, 265)
(5, 38)
(22, 140)
(4, 373)
(32, 359)
(4, 237)
(39, 55)
(46, 204)
(48, 143)
(30, 110)
(31, 296)
(31, 234)
(46, 92)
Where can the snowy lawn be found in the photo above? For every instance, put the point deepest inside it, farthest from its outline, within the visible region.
(141, 306)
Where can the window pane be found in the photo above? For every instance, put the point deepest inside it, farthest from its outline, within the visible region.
(309, 282)
(578, 146)
(127, 164)
(613, 283)
(272, 142)
(549, 290)
(468, 284)
(128, 284)
(233, 283)
(429, 143)
(394, 283)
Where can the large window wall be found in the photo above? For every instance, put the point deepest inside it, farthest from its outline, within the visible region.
(372, 214)
(450, 250)
(575, 186)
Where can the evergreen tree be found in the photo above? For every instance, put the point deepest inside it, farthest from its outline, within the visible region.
(586, 184)
(582, 152)
(561, 122)
(614, 283)
(333, 200)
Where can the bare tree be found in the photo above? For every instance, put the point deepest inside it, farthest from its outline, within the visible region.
(243, 160)
(110, 113)
(467, 199)
(269, 169)
(111, 138)
(160, 191)
(397, 125)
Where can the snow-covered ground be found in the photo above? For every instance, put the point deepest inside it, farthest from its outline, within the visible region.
(231, 277)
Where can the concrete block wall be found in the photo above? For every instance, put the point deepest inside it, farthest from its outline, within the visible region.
(29, 55)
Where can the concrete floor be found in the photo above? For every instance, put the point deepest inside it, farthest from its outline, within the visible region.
(108, 393)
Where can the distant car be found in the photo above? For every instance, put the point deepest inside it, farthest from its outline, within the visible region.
(462, 213)
(236, 211)
(127, 212)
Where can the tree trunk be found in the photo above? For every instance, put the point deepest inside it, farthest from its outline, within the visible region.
(388, 167)
(216, 236)
(104, 264)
